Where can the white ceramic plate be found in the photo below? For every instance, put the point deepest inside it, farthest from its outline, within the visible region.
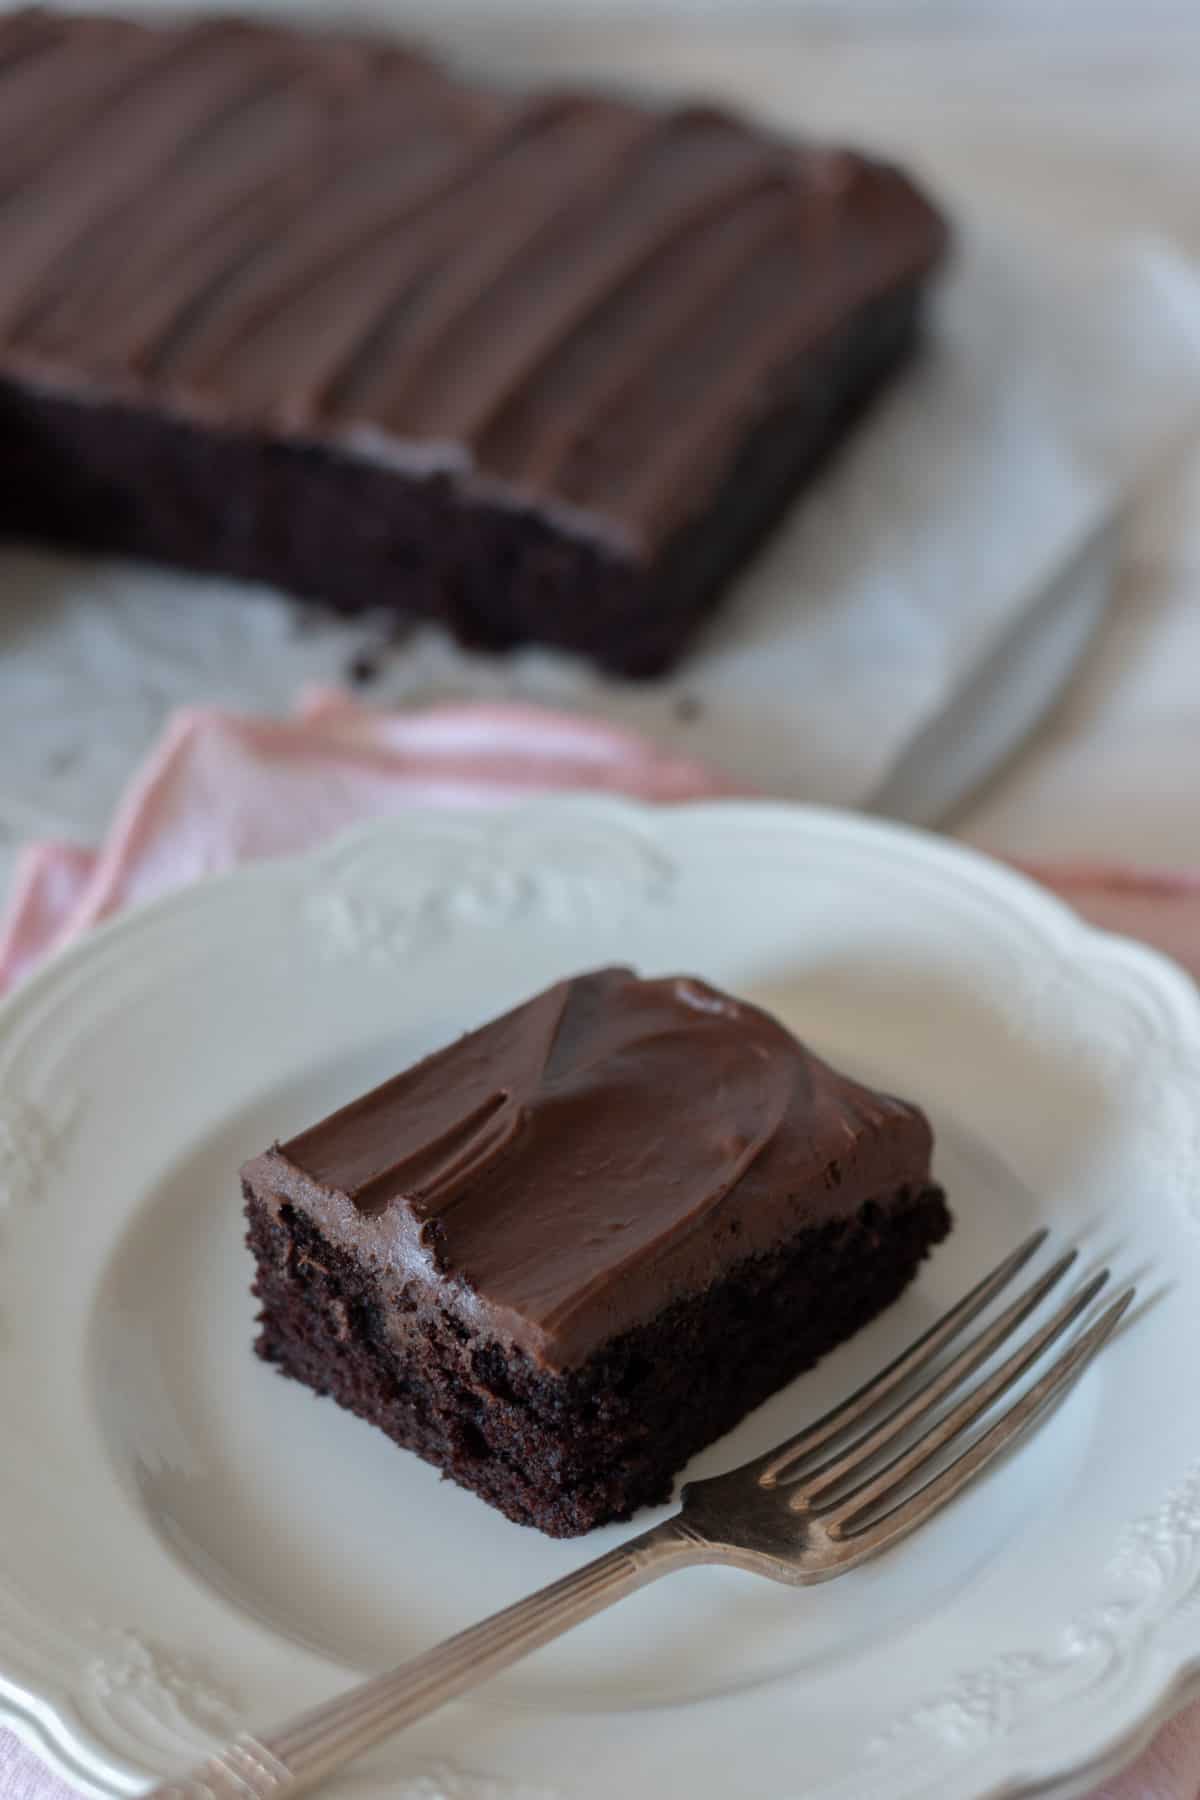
(188, 1543)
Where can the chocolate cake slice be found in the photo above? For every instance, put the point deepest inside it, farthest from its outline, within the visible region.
(563, 1254)
(309, 311)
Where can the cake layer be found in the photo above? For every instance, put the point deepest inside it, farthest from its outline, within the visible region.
(609, 1148)
(569, 1451)
(311, 311)
(358, 535)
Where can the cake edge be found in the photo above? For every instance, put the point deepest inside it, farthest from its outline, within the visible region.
(566, 1452)
(77, 479)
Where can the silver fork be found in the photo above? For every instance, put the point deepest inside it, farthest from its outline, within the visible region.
(807, 1511)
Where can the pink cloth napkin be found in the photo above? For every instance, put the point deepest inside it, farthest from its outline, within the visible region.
(221, 789)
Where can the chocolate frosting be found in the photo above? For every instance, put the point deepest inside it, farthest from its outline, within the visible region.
(566, 1171)
(567, 300)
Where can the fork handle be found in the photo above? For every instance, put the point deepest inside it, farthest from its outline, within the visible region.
(292, 1759)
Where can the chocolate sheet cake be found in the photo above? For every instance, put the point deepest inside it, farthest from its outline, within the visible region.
(561, 1255)
(310, 311)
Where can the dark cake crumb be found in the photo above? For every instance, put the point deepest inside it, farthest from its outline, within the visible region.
(568, 1453)
(731, 1209)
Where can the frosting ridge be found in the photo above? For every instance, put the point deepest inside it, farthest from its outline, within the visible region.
(332, 239)
(610, 1141)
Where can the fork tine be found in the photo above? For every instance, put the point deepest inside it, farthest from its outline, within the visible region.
(894, 1473)
(974, 1354)
(1016, 1419)
(909, 1362)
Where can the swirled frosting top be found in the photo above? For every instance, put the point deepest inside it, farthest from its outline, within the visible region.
(568, 299)
(564, 1172)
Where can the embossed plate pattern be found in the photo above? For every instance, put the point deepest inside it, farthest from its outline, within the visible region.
(188, 1543)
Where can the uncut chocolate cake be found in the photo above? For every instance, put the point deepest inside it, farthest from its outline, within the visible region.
(309, 311)
(561, 1255)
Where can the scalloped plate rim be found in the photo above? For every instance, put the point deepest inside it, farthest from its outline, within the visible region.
(49, 1724)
